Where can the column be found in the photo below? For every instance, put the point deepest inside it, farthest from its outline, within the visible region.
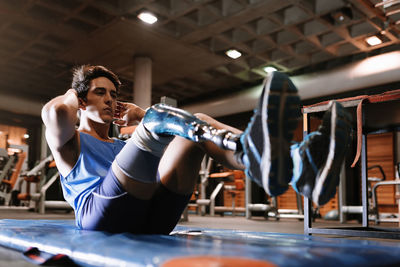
(142, 81)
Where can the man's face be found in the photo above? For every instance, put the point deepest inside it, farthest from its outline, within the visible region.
(101, 100)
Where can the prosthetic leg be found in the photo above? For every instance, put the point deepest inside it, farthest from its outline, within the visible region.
(264, 147)
(166, 120)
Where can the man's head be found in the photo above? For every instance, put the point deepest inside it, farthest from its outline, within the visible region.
(83, 75)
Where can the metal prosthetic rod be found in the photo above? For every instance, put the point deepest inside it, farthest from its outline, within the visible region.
(222, 138)
(166, 120)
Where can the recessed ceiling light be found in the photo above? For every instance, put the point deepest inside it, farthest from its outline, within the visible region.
(147, 17)
(373, 40)
(233, 53)
(269, 69)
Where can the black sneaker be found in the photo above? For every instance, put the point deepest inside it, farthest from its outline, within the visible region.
(318, 159)
(266, 140)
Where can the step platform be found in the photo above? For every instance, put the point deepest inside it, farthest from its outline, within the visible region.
(193, 247)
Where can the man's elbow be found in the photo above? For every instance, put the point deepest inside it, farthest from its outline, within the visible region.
(56, 112)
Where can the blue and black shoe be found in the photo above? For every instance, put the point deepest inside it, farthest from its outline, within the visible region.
(318, 159)
(266, 140)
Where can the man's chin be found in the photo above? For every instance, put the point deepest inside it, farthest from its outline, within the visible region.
(107, 119)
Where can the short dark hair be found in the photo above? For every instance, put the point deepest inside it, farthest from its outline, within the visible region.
(82, 75)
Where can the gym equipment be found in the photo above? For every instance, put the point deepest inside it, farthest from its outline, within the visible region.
(38, 176)
(368, 110)
(396, 183)
(346, 209)
(271, 210)
(3, 157)
(33, 176)
(44, 204)
(7, 162)
(205, 170)
(7, 185)
(372, 197)
(41, 203)
(235, 189)
(267, 209)
(235, 176)
(192, 247)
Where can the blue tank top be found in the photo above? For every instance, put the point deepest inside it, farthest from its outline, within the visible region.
(89, 171)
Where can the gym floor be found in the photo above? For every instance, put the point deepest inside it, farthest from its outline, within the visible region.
(11, 258)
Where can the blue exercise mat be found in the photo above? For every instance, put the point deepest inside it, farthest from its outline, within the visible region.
(91, 248)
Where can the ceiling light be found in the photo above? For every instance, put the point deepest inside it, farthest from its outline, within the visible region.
(373, 40)
(26, 136)
(147, 17)
(340, 16)
(269, 69)
(233, 53)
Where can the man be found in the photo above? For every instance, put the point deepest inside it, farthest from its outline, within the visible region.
(143, 185)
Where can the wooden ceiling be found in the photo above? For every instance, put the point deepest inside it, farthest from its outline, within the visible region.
(41, 40)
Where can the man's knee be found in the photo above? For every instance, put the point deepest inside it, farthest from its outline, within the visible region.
(181, 145)
(204, 117)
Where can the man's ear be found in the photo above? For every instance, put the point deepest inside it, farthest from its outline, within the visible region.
(82, 103)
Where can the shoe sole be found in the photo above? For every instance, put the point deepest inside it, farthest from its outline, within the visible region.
(280, 113)
(328, 176)
(279, 143)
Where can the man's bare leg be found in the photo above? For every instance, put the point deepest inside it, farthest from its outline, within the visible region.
(180, 165)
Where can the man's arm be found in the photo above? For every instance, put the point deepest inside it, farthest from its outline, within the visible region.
(60, 116)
